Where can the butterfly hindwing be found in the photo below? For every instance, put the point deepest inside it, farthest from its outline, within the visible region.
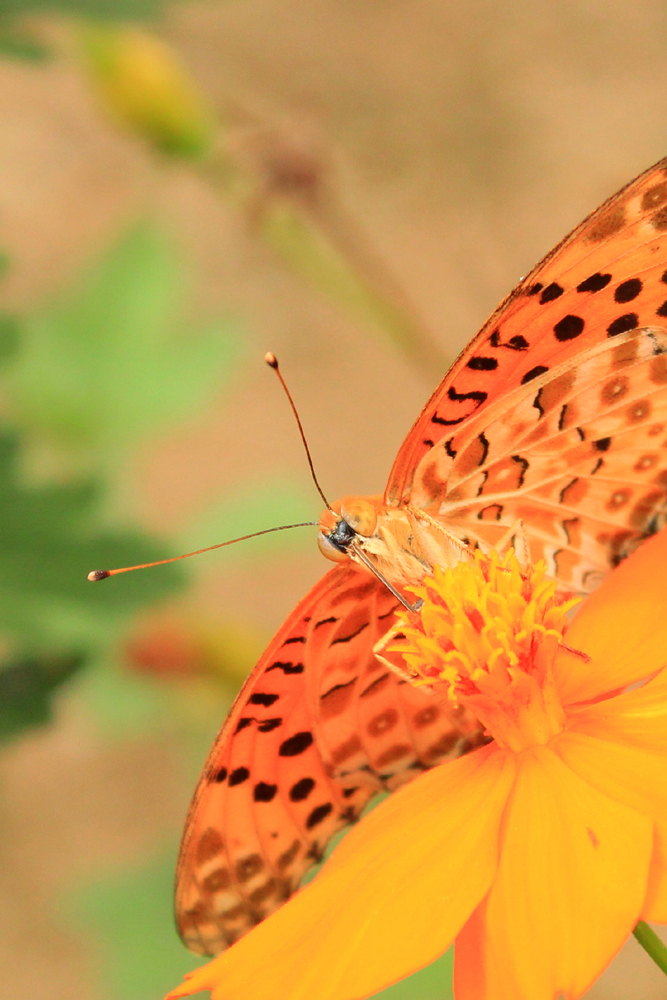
(318, 729)
(577, 454)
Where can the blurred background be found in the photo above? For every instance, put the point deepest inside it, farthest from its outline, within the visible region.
(184, 186)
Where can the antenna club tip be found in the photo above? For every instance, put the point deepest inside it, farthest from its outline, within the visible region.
(98, 574)
(271, 360)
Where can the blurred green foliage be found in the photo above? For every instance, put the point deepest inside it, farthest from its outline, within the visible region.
(86, 379)
(119, 357)
(18, 42)
(26, 686)
(262, 504)
(48, 542)
(107, 9)
(130, 917)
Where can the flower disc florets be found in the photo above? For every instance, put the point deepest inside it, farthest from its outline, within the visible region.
(489, 629)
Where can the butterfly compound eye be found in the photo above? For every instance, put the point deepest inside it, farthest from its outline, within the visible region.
(330, 549)
(360, 515)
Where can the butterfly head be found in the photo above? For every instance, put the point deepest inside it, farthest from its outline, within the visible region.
(351, 518)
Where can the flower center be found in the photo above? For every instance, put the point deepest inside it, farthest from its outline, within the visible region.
(489, 630)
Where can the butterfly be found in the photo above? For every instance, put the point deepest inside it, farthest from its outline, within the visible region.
(555, 415)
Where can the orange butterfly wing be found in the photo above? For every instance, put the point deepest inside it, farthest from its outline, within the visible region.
(512, 432)
(318, 729)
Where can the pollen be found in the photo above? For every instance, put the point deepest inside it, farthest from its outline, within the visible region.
(489, 630)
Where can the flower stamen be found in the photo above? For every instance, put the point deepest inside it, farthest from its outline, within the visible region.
(489, 630)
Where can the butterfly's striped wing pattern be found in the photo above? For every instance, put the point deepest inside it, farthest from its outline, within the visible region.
(605, 279)
(319, 728)
(555, 414)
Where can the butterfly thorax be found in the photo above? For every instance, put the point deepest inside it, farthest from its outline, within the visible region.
(402, 544)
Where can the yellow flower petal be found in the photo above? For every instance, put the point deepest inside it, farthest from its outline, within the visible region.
(391, 898)
(470, 972)
(622, 627)
(655, 904)
(637, 718)
(569, 889)
(632, 775)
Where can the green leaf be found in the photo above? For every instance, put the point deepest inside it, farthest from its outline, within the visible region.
(10, 336)
(107, 9)
(118, 359)
(26, 688)
(432, 983)
(130, 917)
(18, 43)
(48, 543)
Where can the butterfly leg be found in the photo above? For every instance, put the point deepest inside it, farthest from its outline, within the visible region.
(517, 536)
(447, 548)
(394, 662)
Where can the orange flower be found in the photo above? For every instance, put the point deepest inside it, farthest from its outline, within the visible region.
(537, 853)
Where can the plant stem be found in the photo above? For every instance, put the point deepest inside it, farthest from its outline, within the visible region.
(651, 944)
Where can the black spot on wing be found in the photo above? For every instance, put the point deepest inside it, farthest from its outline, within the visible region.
(551, 292)
(534, 373)
(260, 698)
(295, 745)
(523, 463)
(326, 621)
(338, 687)
(287, 668)
(481, 364)
(263, 792)
(628, 290)
(516, 343)
(352, 635)
(435, 419)
(301, 789)
(595, 283)
(629, 321)
(268, 725)
(569, 327)
(458, 397)
(567, 524)
(318, 814)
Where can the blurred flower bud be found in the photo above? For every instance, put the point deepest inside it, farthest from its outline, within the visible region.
(145, 87)
(175, 643)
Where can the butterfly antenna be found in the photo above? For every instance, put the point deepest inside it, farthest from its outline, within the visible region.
(272, 362)
(102, 574)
